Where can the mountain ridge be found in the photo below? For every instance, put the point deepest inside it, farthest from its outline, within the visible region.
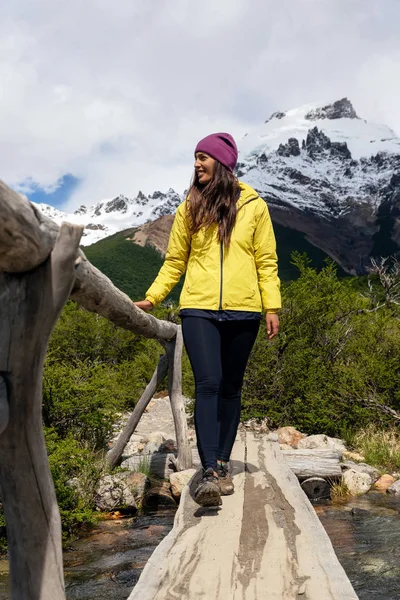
(324, 172)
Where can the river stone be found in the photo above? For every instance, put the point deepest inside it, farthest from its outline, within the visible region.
(357, 483)
(384, 483)
(159, 495)
(362, 468)
(151, 448)
(121, 491)
(179, 480)
(157, 437)
(394, 488)
(168, 446)
(285, 447)
(322, 441)
(289, 435)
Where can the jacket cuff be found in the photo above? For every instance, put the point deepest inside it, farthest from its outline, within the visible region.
(151, 299)
(272, 311)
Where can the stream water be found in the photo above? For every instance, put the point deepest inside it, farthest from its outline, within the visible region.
(107, 562)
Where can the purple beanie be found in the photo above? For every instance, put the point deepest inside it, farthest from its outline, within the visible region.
(220, 146)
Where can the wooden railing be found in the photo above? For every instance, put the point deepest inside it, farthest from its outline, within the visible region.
(41, 266)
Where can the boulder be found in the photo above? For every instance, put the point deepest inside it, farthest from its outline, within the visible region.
(322, 441)
(151, 448)
(361, 468)
(384, 483)
(289, 435)
(157, 437)
(394, 488)
(179, 480)
(285, 447)
(357, 483)
(168, 446)
(121, 491)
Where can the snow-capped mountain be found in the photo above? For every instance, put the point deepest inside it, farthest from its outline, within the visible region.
(331, 175)
(110, 216)
(323, 171)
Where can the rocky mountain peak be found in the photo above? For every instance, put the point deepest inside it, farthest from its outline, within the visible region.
(341, 109)
(118, 204)
(82, 210)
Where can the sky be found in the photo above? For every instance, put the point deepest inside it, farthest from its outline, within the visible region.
(100, 98)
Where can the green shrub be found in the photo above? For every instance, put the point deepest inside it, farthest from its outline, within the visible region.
(334, 353)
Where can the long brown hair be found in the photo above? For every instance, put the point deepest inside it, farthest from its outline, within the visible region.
(214, 202)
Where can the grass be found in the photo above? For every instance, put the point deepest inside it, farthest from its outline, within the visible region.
(339, 491)
(381, 447)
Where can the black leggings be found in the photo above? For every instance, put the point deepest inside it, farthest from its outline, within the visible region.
(218, 352)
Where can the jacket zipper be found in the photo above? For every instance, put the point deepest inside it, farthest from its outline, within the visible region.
(221, 257)
(221, 264)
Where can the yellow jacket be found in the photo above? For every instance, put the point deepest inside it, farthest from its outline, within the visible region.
(242, 277)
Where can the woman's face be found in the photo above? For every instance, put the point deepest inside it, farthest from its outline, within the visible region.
(204, 167)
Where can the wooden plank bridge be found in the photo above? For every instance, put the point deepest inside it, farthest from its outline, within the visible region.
(265, 543)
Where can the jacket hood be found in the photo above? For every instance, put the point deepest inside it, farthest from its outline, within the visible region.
(247, 193)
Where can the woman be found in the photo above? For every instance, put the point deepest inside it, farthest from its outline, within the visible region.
(222, 237)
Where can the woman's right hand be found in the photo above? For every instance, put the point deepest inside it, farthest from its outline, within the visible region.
(145, 305)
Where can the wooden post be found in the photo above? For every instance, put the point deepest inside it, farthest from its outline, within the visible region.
(116, 451)
(30, 305)
(174, 353)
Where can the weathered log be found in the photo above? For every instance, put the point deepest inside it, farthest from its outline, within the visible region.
(26, 240)
(26, 236)
(265, 542)
(316, 488)
(313, 463)
(30, 305)
(95, 292)
(174, 352)
(114, 455)
(4, 408)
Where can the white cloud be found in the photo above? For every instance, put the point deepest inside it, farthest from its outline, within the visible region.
(118, 93)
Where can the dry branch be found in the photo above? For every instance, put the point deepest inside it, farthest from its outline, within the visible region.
(114, 455)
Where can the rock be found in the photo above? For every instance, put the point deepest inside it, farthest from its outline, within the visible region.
(159, 495)
(257, 425)
(151, 448)
(121, 491)
(394, 488)
(191, 435)
(285, 447)
(322, 441)
(362, 468)
(289, 435)
(357, 483)
(179, 480)
(355, 456)
(384, 483)
(157, 437)
(168, 446)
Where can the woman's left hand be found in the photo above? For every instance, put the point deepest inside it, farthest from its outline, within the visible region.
(272, 320)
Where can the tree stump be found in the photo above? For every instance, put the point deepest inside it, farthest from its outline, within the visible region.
(30, 304)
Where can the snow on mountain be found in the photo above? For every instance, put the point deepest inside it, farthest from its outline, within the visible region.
(110, 216)
(331, 175)
(323, 171)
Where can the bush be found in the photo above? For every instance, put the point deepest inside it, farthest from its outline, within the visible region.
(333, 355)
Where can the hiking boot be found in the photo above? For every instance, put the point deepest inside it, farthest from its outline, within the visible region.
(225, 480)
(208, 491)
